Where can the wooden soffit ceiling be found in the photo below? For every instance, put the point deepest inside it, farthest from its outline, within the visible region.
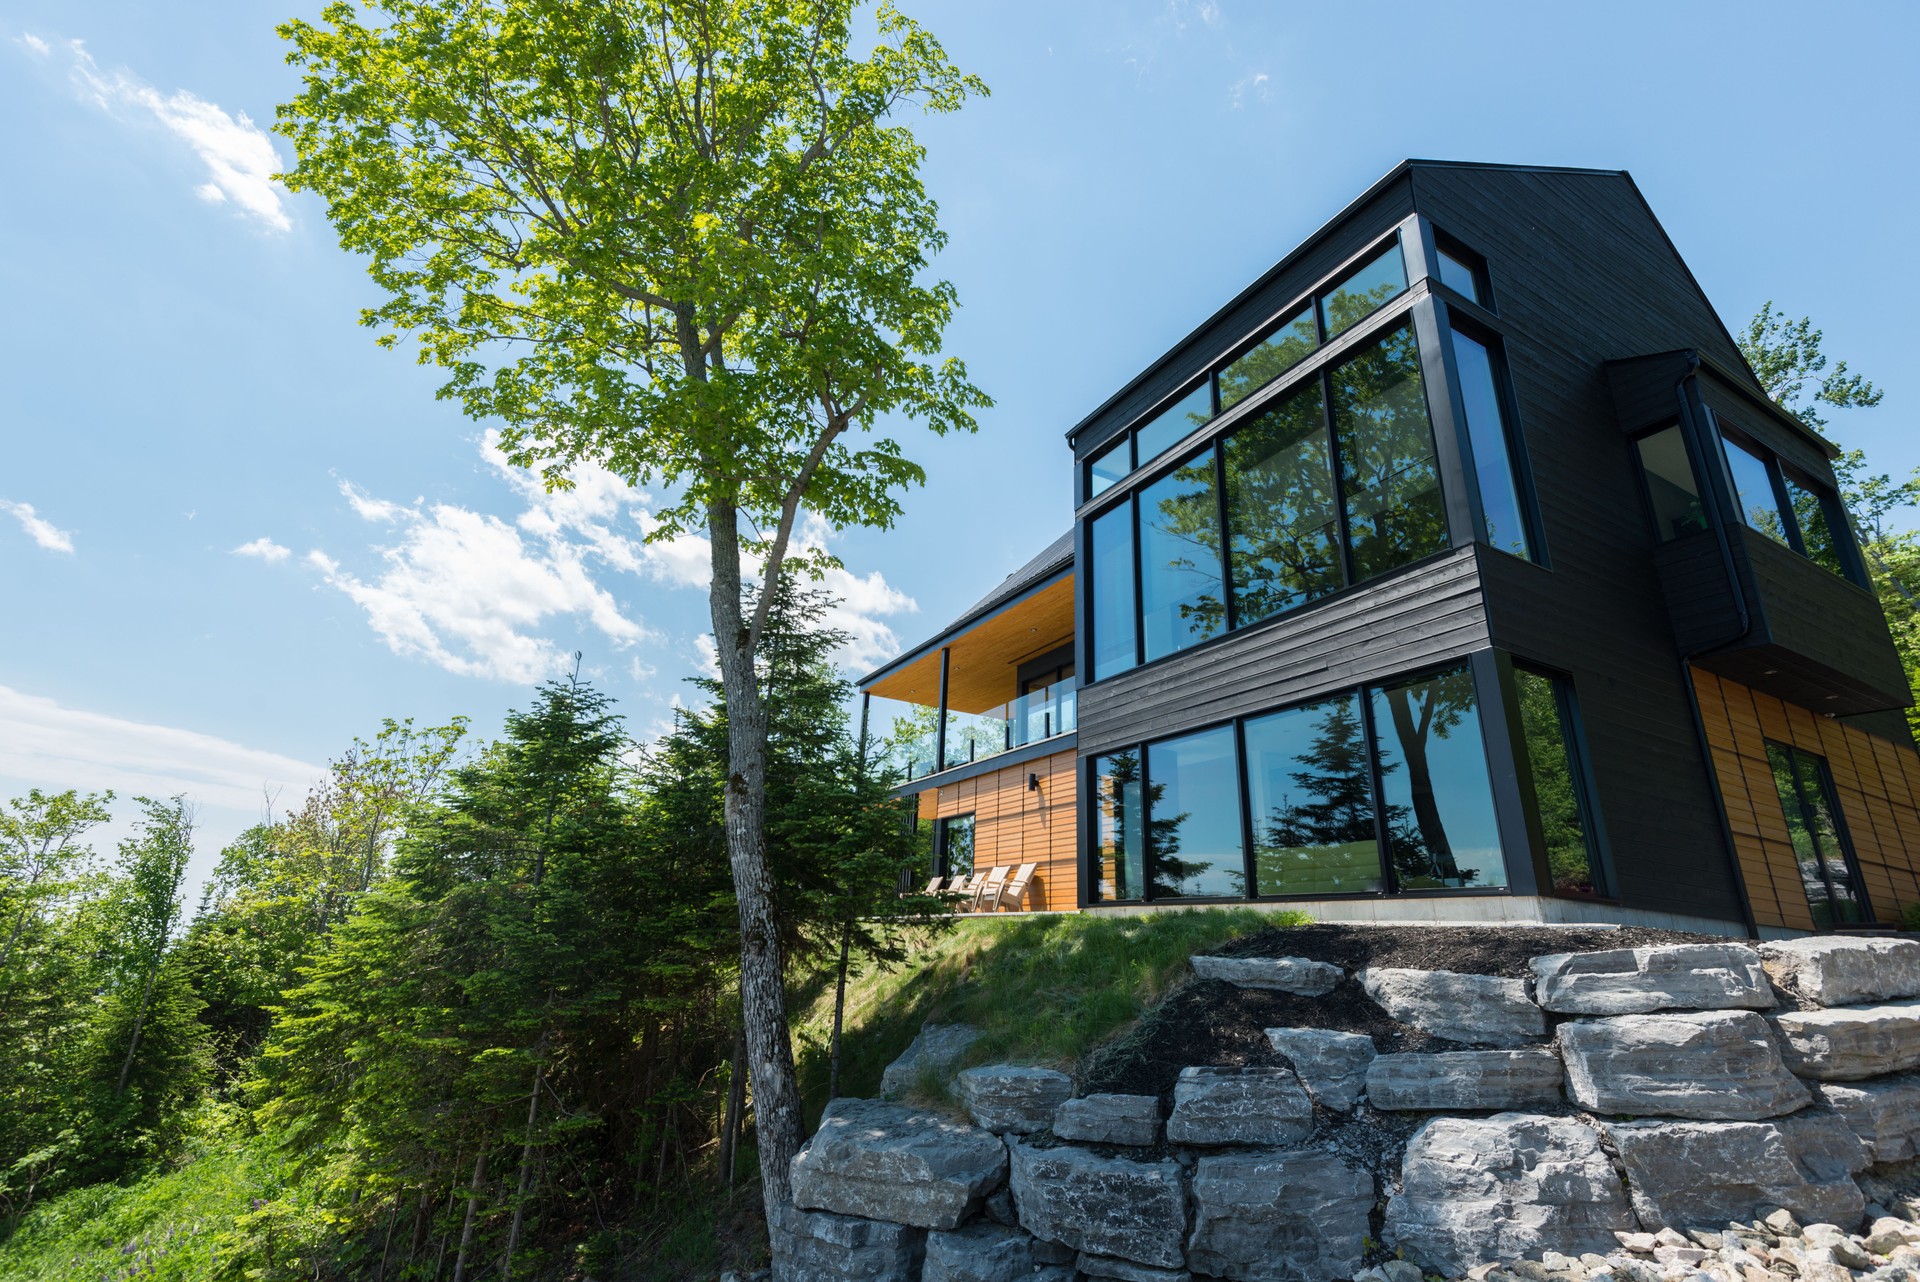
(986, 658)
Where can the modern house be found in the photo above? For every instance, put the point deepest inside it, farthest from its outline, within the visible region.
(1458, 568)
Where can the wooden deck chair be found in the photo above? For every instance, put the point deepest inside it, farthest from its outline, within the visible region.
(964, 889)
(987, 893)
(933, 887)
(1013, 895)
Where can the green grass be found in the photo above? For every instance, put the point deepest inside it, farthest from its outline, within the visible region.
(1043, 990)
(174, 1226)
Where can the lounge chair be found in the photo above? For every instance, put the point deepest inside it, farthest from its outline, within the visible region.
(987, 893)
(932, 888)
(1013, 894)
(964, 890)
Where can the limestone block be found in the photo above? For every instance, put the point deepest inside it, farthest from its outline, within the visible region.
(1836, 971)
(1502, 1187)
(896, 1163)
(1011, 1099)
(1885, 1114)
(1497, 1079)
(1848, 1043)
(1480, 1010)
(1278, 1216)
(1332, 1065)
(1101, 1205)
(1102, 1266)
(1282, 974)
(979, 1253)
(1633, 981)
(1255, 1105)
(1702, 1064)
(1687, 1173)
(1109, 1119)
(936, 1049)
(814, 1246)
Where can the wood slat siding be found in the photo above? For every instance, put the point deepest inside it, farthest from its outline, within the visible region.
(1420, 617)
(1014, 824)
(1583, 275)
(1877, 782)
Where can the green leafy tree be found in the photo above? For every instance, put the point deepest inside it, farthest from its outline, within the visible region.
(685, 239)
(1786, 358)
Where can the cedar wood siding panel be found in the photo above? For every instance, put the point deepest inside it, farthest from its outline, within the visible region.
(1582, 275)
(1417, 618)
(1014, 824)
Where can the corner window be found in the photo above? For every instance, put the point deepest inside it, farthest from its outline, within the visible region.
(1820, 844)
(1504, 522)
(1436, 793)
(1673, 492)
(1753, 490)
(1364, 292)
(1791, 508)
(1120, 830)
(1559, 782)
(1818, 516)
(1111, 583)
(1173, 424)
(1389, 482)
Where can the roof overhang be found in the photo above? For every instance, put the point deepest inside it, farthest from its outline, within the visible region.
(984, 654)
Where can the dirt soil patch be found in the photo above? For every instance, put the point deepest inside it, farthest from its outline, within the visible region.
(1208, 1021)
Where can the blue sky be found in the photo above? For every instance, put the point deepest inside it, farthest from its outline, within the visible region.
(234, 534)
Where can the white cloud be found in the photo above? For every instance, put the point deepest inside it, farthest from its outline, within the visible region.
(41, 531)
(52, 746)
(369, 508)
(265, 549)
(33, 44)
(239, 156)
(1256, 85)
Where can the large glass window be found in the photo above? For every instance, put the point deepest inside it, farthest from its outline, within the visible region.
(1552, 753)
(1437, 797)
(1461, 276)
(1310, 793)
(956, 846)
(1193, 807)
(1282, 508)
(1111, 539)
(1671, 486)
(1819, 842)
(1817, 513)
(1361, 294)
(1109, 465)
(1120, 830)
(1173, 424)
(1283, 348)
(1503, 516)
(1181, 601)
(1389, 481)
(1753, 487)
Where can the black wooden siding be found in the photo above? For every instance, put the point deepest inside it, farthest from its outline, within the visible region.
(1427, 614)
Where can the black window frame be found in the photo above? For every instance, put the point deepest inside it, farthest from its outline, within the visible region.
(1519, 461)
(1777, 468)
(1475, 263)
(1700, 492)
(1585, 791)
(941, 841)
(1847, 856)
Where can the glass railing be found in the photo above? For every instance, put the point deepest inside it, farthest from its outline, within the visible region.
(1031, 718)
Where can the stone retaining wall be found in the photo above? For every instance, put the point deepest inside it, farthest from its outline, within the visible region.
(1612, 1095)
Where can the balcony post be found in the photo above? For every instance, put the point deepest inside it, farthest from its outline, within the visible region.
(940, 728)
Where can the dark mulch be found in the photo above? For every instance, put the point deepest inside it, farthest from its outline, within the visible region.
(1212, 1022)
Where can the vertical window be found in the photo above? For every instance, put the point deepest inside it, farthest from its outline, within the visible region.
(1279, 351)
(1672, 489)
(1817, 514)
(1753, 488)
(1436, 795)
(1181, 601)
(1819, 842)
(1120, 831)
(1558, 783)
(1503, 516)
(1111, 548)
(1389, 481)
(956, 846)
(1310, 793)
(1109, 465)
(1460, 276)
(1282, 508)
(1193, 809)
(1361, 294)
(1173, 424)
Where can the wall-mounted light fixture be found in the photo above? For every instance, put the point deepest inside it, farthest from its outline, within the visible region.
(1033, 782)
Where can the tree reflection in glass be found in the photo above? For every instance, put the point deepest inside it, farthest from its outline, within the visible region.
(1193, 805)
(1281, 508)
(1312, 801)
(1285, 345)
(1389, 480)
(1556, 801)
(1181, 601)
(1439, 797)
(1120, 838)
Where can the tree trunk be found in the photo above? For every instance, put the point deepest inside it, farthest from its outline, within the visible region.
(736, 1103)
(422, 1222)
(763, 997)
(1426, 805)
(473, 1213)
(839, 1009)
(139, 1022)
(526, 1164)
